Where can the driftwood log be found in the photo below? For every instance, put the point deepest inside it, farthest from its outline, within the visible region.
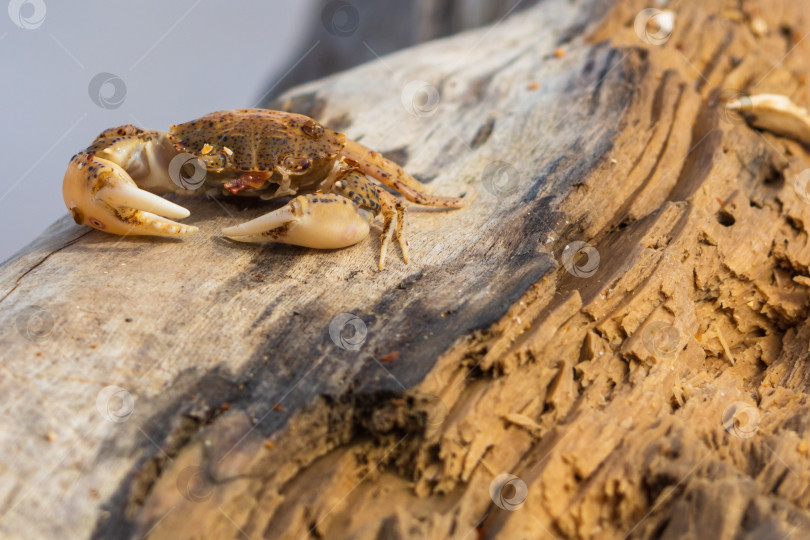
(618, 320)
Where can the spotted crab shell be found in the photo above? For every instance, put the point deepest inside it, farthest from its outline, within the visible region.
(248, 140)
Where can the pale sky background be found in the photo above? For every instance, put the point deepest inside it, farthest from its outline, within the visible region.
(170, 61)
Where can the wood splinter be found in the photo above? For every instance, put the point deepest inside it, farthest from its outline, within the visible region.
(775, 113)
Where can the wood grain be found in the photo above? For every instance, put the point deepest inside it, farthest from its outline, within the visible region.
(660, 393)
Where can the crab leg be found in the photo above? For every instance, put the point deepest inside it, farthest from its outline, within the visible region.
(367, 195)
(330, 220)
(393, 211)
(393, 176)
(100, 193)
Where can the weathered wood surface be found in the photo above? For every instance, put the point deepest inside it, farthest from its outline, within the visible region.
(605, 392)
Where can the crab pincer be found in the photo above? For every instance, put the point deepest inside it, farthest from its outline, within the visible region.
(320, 221)
(99, 193)
(337, 219)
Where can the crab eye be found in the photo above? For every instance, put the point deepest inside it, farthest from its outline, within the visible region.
(96, 223)
(293, 163)
(312, 129)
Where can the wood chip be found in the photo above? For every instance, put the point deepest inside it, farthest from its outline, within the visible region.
(802, 280)
(759, 27)
(521, 420)
(725, 345)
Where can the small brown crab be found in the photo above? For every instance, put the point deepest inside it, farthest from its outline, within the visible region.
(111, 185)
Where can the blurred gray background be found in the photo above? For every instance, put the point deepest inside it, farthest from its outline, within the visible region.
(71, 72)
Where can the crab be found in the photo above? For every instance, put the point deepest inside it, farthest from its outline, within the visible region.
(113, 185)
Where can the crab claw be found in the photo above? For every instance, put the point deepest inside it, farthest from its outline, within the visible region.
(320, 221)
(101, 194)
